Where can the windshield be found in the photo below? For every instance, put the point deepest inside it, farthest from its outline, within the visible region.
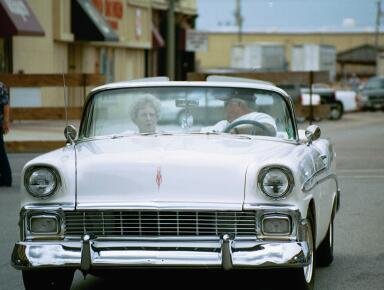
(172, 110)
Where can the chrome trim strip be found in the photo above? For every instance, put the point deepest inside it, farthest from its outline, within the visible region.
(310, 184)
(270, 207)
(156, 206)
(49, 207)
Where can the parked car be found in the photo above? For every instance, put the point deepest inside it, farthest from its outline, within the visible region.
(349, 100)
(321, 94)
(327, 96)
(371, 95)
(183, 196)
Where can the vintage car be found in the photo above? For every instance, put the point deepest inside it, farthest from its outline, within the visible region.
(182, 195)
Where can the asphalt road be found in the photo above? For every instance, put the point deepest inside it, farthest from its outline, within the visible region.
(359, 230)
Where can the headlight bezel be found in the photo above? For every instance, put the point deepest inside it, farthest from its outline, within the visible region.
(286, 171)
(276, 216)
(27, 215)
(43, 216)
(31, 170)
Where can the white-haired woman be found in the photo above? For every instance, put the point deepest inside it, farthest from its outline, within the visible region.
(145, 113)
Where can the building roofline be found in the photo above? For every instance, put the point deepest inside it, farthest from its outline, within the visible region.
(272, 30)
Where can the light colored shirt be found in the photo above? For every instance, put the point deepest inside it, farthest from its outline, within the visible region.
(254, 116)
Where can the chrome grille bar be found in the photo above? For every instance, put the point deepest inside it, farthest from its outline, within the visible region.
(159, 223)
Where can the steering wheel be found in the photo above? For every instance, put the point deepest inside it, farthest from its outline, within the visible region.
(258, 128)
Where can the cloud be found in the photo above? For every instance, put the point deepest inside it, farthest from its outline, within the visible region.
(349, 23)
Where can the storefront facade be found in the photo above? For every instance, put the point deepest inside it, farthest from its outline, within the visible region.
(117, 38)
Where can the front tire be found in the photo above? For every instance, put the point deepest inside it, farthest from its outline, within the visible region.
(336, 112)
(48, 279)
(305, 277)
(325, 251)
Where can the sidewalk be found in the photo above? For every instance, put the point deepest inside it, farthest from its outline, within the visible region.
(36, 136)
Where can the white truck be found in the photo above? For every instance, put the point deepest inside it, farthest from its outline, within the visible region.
(257, 56)
(314, 57)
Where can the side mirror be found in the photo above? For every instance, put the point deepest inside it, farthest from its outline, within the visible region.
(312, 133)
(70, 134)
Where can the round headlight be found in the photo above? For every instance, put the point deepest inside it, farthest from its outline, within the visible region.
(41, 181)
(275, 182)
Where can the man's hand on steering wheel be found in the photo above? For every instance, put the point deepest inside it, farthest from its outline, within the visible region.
(256, 128)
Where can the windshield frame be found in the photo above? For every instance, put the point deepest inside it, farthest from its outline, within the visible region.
(89, 105)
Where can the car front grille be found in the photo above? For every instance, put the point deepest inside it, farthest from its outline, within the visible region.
(159, 223)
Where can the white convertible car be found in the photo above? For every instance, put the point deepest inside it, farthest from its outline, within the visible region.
(213, 188)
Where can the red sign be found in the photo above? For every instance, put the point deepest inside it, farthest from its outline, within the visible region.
(111, 9)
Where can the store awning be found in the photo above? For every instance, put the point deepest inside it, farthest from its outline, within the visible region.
(363, 55)
(17, 18)
(88, 24)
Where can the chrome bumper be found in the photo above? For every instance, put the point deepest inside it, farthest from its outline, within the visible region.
(223, 253)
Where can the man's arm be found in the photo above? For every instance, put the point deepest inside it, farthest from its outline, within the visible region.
(218, 127)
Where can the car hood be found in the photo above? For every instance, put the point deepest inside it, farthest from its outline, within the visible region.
(196, 172)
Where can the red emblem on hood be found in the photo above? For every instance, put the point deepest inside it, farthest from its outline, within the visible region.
(159, 177)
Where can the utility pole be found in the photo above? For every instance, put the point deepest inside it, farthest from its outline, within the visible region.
(311, 116)
(377, 32)
(239, 20)
(171, 39)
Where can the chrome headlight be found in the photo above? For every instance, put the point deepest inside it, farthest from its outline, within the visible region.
(276, 182)
(41, 182)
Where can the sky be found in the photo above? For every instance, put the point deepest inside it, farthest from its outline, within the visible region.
(280, 15)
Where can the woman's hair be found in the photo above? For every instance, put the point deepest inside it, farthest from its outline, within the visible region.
(143, 100)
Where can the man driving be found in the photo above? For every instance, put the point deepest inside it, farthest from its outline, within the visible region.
(241, 117)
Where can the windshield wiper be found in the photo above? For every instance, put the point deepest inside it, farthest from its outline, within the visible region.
(206, 133)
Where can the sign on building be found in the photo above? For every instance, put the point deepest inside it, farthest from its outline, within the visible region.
(196, 41)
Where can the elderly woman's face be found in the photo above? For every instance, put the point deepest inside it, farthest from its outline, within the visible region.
(146, 119)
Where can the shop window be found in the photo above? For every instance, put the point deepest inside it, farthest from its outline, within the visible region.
(106, 63)
(5, 55)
